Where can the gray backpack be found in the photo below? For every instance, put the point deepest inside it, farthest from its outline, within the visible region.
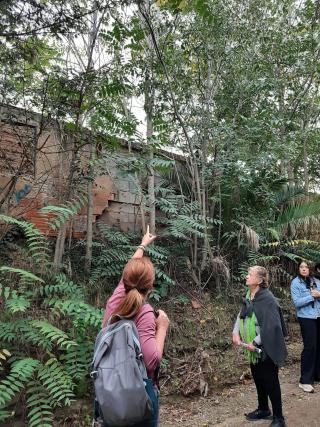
(118, 372)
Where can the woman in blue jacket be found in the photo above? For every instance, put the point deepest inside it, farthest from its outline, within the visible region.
(305, 294)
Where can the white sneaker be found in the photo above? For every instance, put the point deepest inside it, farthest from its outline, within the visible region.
(306, 387)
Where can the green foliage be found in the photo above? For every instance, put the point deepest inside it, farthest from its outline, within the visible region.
(66, 211)
(113, 250)
(55, 379)
(53, 334)
(161, 165)
(46, 351)
(299, 213)
(234, 91)
(17, 304)
(26, 276)
(21, 372)
(37, 244)
(39, 410)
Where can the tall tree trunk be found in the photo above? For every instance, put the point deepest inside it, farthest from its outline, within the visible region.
(88, 257)
(89, 237)
(149, 105)
(59, 248)
(59, 252)
(149, 99)
(305, 162)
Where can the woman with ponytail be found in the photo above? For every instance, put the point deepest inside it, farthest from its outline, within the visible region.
(129, 301)
(260, 330)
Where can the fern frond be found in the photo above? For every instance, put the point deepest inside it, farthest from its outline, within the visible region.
(17, 304)
(157, 253)
(62, 287)
(84, 314)
(161, 165)
(40, 413)
(190, 208)
(167, 206)
(288, 243)
(163, 277)
(26, 276)
(54, 334)
(57, 382)
(76, 361)
(29, 335)
(184, 226)
(111, 235)
(291, 256)
(37, 244)
(64, 212)
(21, 372)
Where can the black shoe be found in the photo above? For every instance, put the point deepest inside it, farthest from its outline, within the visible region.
(278, 422)
(258, 414)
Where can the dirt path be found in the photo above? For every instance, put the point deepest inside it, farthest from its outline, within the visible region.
(226, 409)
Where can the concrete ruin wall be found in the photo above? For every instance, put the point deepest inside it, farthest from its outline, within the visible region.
(34, 167)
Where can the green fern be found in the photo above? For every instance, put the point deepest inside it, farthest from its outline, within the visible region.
(40, 412)
(46, 383)
(77, 360)
(37, 244)
(61, 287)
(17, 304)
(26, 276)
(56, 335)
(184, 227)
(66, 211)
(56, 380)
(21, 372)
(113, 236)
(161, 165)
(82, 314)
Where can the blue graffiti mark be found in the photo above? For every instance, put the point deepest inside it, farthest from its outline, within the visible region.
(20, 194)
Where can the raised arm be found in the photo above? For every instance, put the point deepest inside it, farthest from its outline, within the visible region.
(146, 240)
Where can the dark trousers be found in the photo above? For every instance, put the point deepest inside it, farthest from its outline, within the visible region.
(265, 375)
(310, 356)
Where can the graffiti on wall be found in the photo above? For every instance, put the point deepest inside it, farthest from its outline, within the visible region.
(20, 194)
(20, 191)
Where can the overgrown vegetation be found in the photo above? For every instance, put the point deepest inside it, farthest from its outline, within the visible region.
(224, 167)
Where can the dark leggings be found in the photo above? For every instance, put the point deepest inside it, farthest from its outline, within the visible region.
(265, 375)
(310, 356)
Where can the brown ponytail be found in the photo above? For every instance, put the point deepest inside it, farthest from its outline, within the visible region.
(130, 304)
(138, 278)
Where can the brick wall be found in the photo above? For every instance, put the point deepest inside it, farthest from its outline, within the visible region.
(45, 161)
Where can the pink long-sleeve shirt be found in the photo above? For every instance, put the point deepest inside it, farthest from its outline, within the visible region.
(145, 322)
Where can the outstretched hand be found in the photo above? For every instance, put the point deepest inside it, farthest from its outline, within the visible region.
(147, 238)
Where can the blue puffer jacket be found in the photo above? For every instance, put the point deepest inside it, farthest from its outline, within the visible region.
(306, 306)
